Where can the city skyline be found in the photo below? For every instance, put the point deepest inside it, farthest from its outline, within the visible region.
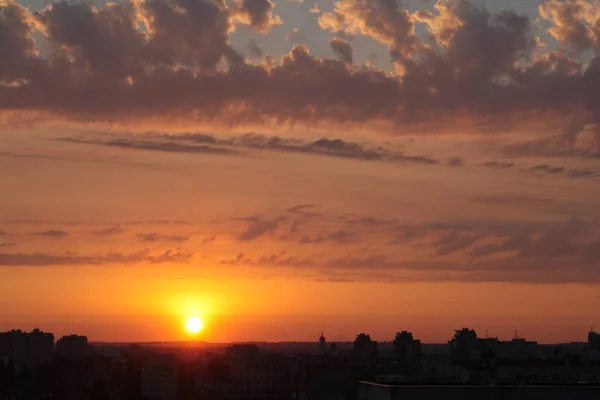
(278, 168)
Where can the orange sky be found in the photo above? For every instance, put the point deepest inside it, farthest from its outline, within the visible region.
(382, 247)
(369, 166)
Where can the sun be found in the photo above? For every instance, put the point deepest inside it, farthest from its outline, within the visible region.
(194, 325)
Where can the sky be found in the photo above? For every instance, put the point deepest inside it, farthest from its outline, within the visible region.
(278, 168)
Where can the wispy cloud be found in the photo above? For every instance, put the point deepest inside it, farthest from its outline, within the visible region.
(112, 257)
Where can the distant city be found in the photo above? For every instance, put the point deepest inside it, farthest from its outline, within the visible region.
(33, 366)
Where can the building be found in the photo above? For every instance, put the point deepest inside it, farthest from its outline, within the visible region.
(593, 340)
(159, 377)
(254, 373)
(464, 344)
(376, 391)
(40, 348)
(73, 346)
(32, 349)
(17, 348)
(322, 344)
(517, 348)
(243, 351)
(364, 347)
(407, 349)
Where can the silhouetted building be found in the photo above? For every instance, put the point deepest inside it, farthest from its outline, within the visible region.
(261, 373)
(40, 348)
(407, 349)
(364, 347)
(517, 348)
(73, 346)
(322, 344)
(15, 347)
(593, 340)
(333, 349)
(243, 351)
(159, 377)
(464, 343)
(31, 349)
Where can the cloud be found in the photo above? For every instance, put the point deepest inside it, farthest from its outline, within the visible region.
(258, 228)
(209, 239)
(210, 144)
(581, 173)
(52, 233)
(168, 146)
(547, 169)
(472, 68)
(256, 13)
(383, 20)
(300, 208)
(114, 230)
(255, 51)
(511, 199)
(455, 161)
(556, 241)
(48, 259)
(575, 23)
(453, 242)
(342, 49)
(7, 244)
(340, 236)
(275, 259)
(154, 237)
(499, 164)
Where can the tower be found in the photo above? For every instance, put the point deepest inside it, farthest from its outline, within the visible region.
(322, 344)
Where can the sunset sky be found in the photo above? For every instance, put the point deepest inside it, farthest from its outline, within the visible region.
(278, 168)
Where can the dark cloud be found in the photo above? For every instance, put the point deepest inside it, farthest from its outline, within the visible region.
(47, 259)
(209, 240)
(258, 228)
(52, 233)
(556, 241)
(581, 173)
(340, 236)
(168, 146)
(547, 169)
(114, 230)
(456, 161)
(327, 147)
(453, 242)
(324, 146)
(172, 60)
(154, 237)
(371, 221)
(510, 199)
(275, 259)
(300, 208)
(7, 244)
(342, 49)
(499, 164)
(255, 51)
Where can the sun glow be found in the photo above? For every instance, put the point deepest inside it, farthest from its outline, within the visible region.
(194, 325)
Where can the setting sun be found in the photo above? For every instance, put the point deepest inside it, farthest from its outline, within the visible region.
(194, 324)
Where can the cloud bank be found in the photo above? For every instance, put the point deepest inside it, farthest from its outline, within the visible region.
(173, 59)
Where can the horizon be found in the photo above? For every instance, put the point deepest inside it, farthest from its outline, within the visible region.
(271, 169)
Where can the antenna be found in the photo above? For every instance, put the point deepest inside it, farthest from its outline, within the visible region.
(487, 334)
(593, 329)
(516, 335)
